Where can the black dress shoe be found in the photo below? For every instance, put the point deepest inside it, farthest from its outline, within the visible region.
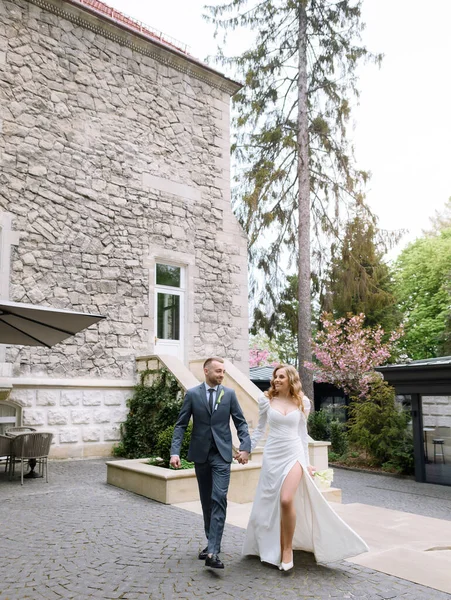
(203, 554)
(214, 562)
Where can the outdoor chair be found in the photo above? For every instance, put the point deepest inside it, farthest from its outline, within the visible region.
(29, 446)
(20, 430)
(5, 450)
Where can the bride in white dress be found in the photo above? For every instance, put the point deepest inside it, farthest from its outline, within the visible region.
(289, 511)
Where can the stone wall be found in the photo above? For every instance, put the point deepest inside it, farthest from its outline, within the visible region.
(114, 153)
(436, 411)
(85, 420)
(89, 128)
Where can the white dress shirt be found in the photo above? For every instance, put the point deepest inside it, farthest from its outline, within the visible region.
(215, 393)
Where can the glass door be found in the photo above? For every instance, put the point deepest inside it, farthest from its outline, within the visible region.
(437, 438)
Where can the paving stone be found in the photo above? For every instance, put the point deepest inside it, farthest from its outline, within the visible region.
(77, 537)
(396, 493)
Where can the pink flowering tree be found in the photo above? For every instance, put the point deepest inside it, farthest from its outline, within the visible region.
(346, 353)
(262, 352)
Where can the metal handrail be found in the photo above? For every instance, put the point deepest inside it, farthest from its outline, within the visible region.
(124, 19)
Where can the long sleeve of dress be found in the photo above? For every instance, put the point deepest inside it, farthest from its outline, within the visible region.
(303, 432)
(257, 434)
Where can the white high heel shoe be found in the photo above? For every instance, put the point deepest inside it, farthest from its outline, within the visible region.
(286, 566)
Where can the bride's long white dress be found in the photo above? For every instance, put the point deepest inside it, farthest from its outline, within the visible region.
(318, 528)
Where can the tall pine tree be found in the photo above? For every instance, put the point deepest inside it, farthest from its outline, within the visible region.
(359, 280)
(295, 165)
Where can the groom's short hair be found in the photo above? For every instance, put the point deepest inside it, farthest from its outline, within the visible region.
(208, 362)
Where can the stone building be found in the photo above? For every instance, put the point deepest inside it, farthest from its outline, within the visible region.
(114, 199)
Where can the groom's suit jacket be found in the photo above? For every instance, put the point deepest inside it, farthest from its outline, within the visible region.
(208, 425)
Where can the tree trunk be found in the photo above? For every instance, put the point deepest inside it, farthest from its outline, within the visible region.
(304, 309)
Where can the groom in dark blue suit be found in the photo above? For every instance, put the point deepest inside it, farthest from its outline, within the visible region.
(211, 405)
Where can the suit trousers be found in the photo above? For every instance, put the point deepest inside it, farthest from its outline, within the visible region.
(213, 478)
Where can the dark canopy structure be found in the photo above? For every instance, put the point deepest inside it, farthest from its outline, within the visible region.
(432, 378)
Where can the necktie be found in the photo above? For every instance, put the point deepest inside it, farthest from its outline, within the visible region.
(211, 399)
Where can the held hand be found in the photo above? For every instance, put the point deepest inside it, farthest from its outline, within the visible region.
(311, 470)
(244, 457)
(175, 462)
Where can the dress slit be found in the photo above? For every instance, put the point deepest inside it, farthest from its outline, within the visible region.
(286, 475)
(318, 528)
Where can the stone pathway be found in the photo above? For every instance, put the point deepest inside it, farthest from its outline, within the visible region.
(395, 493)
(78, 538)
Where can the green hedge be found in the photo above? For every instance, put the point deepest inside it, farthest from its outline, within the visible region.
(380, 427)
(163, 446)
(319, 425)
(152, 409)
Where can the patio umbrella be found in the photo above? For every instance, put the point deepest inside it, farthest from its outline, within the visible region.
(30, 325)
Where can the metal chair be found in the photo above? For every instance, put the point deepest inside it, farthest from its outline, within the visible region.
(29, 446)
(5, 450)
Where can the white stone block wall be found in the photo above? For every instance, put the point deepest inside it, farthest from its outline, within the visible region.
(85, 421)
(437, 411)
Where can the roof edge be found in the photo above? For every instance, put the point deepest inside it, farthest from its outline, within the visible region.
(211, 76)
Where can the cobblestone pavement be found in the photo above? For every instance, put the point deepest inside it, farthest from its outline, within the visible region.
(395, 493)
(77, 537)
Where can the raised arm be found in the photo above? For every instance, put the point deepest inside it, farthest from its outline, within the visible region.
(257, 434)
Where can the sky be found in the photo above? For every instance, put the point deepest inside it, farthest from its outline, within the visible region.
(402, 124)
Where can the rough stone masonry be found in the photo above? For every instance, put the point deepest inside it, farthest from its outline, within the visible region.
(114, 153)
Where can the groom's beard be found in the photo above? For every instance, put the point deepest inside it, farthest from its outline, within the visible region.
(213, 381)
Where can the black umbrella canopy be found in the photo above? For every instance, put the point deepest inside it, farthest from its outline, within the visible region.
(30, 325)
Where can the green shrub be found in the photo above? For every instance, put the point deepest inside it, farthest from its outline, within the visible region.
(319, 425)
(377, 425)
(164, 440)
(338, 438)
(402, 456)
(333, 457)
(152, 408)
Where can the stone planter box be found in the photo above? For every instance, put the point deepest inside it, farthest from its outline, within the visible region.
(173, 487)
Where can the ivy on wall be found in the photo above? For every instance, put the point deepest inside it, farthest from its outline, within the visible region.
(152, 409)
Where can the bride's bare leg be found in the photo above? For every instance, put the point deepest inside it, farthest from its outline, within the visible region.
(288, 512)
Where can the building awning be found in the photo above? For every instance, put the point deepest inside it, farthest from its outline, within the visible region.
(431, 376)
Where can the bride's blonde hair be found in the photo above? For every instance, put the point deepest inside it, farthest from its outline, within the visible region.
(294, 382)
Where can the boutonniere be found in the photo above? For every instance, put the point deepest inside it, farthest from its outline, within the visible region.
(218, 401)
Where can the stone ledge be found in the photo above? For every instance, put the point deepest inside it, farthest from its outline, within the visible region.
(47, 382)
(173, 487)
(332, 495)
